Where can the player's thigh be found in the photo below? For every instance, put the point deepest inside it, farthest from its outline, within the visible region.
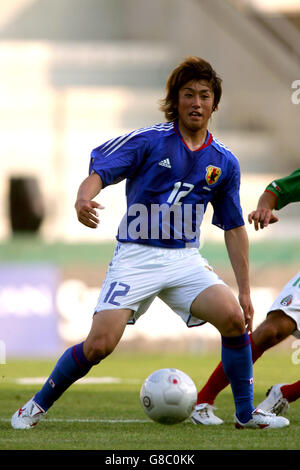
(218, 306)
(198, 295)
(106, 331)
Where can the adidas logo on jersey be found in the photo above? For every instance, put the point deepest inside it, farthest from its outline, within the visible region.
(166, 163)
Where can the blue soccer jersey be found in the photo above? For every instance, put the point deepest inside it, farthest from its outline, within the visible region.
(169, 186)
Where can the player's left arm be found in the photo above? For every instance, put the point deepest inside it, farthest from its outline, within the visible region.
(263, 215)
(237, 245)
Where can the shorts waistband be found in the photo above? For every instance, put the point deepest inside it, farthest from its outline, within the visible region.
(158, 250)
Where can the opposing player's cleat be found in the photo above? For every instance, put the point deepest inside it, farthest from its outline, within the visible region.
(261, 420)
(27, 416)
(275, 402)
(203, 414)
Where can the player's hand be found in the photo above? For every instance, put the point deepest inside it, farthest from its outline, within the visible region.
(87, 213)
(247, 307)
(262, 218)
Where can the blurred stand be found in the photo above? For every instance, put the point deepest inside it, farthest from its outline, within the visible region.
(68, 85)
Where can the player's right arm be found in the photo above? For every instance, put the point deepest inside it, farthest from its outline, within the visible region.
(84, 205)
(110, 163)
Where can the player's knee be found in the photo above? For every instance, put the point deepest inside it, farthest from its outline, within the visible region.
(234, 324)
(99, 349)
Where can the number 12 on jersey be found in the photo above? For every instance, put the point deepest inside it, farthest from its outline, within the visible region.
(116, 289)
(176, 195)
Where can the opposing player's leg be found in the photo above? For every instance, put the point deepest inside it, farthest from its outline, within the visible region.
(286, 307)
(280, 396)
(106, 331)
(274, 329)
(218, 306)
(275, 402)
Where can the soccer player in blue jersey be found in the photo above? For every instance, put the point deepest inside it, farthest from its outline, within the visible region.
(172, 171)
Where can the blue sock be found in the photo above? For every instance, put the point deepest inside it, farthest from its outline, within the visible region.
(237, 364)
(71, 366)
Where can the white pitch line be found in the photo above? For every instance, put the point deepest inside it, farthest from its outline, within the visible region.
(83, 381)
(86, 420)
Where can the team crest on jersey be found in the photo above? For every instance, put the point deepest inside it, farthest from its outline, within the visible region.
(213, 173)
(287, 301)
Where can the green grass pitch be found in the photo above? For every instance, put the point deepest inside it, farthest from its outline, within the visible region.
(105, 416)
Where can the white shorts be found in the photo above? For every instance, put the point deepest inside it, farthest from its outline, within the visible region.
(289, 301)
(138, 273)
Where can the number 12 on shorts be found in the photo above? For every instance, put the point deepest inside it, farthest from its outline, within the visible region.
(116, 289)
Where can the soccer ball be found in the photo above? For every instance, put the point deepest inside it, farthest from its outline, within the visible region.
(168, 396)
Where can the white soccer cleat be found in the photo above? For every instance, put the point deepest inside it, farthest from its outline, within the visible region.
(203, 414)
(27, 416)
(261, 420)
(275, 402)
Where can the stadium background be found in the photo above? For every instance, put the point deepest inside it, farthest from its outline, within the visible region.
(74, 74)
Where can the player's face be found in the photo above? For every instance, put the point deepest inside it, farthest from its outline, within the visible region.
(195, 105)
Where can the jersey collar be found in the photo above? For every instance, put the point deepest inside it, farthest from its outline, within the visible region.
(206, 143)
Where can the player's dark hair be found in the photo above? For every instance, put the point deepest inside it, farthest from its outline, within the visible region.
(192, 68)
